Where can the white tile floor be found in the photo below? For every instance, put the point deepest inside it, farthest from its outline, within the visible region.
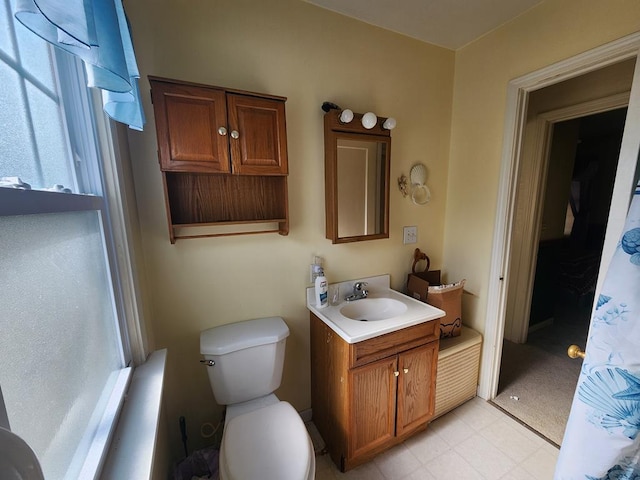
(476, 441)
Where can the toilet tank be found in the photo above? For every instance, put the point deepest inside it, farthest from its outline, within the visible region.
(248, 357)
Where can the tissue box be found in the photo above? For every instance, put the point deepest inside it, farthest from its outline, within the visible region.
(418, 283)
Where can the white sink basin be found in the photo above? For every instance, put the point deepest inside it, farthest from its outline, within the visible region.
(383, 311)
(372, 309)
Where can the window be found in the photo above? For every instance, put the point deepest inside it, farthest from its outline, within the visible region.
(65, 352)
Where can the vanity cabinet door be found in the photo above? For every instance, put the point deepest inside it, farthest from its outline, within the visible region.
(371, 395)
(257, 134)
(416, 387)
(209, 130)
(191, 126)
(373, 406)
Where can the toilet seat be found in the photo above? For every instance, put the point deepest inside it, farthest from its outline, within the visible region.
(271, 443)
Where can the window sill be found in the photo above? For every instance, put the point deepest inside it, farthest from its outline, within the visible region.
(133, 449)
(15, 201)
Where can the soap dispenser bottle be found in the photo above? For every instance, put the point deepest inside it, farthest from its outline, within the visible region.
(322, 297)
(316, 268)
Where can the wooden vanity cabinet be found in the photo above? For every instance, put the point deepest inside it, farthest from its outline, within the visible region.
(261, 146)
(209, 129)
(223, 157)
(187, 121)
(371, 395)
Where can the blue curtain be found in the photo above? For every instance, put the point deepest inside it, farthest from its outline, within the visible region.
(601, 441)
(97, 32)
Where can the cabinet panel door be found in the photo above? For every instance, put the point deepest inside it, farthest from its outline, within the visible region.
(416, 387)
(373, 405)
(261, 144)
(187, 122)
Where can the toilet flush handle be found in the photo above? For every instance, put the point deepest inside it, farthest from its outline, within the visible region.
(209, 363)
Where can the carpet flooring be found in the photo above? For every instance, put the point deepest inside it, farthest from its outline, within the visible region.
(537, 388)
(538, 379)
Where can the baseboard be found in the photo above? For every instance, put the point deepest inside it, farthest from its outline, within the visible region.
(543, 324)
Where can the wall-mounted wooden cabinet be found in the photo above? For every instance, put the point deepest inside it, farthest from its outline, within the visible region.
(223, 156)
(371, 395)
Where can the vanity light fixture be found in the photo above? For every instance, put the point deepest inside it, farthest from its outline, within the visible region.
(346, 116)
(389, 123)
(327, 106)
(369, 120)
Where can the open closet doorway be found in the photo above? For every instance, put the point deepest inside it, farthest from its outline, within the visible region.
(537, 379)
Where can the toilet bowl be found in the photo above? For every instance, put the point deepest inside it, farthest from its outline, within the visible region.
(270, 443)
(263, 438)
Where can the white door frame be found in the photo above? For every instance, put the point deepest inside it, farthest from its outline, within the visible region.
(523, 263)
(515, 116)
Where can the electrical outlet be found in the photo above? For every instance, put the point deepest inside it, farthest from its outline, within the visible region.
(410, 235)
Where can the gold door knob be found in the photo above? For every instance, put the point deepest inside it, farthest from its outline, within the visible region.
(574, 351)
(395, 374)
(406, 370)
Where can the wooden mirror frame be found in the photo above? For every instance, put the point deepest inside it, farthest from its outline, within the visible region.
(334, 129)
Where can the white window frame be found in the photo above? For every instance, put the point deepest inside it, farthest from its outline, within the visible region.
(98, 140)
(101, 168)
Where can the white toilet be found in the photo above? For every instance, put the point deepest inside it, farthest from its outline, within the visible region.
(264, 438)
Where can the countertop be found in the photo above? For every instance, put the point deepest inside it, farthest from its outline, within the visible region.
(353, 331)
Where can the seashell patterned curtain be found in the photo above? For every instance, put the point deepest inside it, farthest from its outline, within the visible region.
(601, 441)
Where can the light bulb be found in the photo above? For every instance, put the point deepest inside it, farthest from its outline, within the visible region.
(389, 124)
(346, 116)
(369, 120)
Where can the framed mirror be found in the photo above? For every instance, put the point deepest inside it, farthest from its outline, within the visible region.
(357, 166)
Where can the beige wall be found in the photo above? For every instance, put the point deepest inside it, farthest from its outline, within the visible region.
(293, 49)
(550, 32)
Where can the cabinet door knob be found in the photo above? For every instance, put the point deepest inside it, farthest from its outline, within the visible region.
(222, 131)
(406, 370)
(395, 374)
(235, 134)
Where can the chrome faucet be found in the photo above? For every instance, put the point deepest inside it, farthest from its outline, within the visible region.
(358, 292)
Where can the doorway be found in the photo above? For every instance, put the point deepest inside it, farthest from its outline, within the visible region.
(537, 379)
(519, 91)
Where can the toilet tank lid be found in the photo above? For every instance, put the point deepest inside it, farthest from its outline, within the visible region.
(240, 335)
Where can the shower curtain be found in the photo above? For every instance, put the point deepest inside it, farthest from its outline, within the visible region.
(601, 441)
